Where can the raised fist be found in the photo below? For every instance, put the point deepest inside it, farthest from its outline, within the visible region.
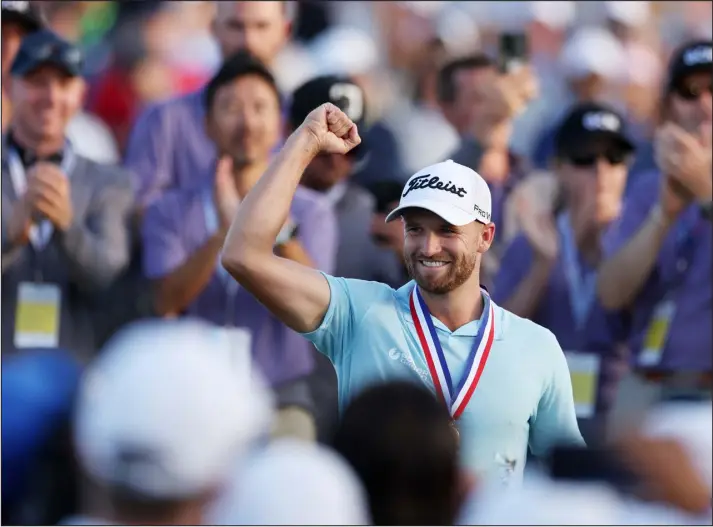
(332, 130)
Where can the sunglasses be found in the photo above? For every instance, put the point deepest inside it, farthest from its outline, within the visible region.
(586, 161)
(69, 55)
(690, 93)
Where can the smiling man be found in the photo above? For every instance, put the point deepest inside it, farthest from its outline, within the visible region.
(503, 378)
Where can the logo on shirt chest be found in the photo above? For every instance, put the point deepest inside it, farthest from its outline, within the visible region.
(404, 358)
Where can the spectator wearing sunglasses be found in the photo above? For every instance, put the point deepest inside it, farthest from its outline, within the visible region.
(64, 218)
(657, 263)
(548, 272)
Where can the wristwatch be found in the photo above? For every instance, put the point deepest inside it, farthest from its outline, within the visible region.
(707, 210)
(288, 232)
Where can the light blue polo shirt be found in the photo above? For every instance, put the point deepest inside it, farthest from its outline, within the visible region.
(524, 395)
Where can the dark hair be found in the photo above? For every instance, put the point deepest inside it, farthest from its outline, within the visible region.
(446, 86)
(397, 437)
(385, 193)
(241, 64)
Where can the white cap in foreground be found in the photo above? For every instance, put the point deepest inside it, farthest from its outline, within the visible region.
(291, 482)
(168, 409)
(454, 192)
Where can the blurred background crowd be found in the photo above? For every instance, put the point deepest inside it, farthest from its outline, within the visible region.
(131, 130)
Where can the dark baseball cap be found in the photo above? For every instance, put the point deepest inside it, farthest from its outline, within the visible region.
(341, 91)
(45, 47)
(23, 13)
(590, 129)
(692, 57)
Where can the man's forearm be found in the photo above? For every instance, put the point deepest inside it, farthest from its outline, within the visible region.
(95, 262)
(175, 292)
(264, 210)
(622, 276)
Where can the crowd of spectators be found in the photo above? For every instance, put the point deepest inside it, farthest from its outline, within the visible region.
(132, 130)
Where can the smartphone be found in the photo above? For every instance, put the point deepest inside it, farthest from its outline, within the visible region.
(513, 52)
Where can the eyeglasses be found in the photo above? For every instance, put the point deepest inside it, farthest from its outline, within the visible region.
(689, 92)
(585, 161)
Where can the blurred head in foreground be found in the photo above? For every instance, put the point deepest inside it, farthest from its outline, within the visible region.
(292, 482)
(164, 415)
(398, 438)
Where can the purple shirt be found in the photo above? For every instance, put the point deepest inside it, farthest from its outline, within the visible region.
(177, 225)
(599, 332)
(169, 148)
(682, 271)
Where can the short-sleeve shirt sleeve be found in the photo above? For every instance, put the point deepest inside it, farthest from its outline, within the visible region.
(349, 302)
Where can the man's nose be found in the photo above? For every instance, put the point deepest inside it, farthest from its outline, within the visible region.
(52, 92)
(431, 244)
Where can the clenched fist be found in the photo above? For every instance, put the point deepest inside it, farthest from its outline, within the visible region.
(48, 193)
(332, 130)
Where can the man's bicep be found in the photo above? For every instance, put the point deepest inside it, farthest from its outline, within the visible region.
(296, 294)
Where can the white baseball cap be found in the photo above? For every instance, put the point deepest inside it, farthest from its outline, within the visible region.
(593, 50)
(454, 192)
(169, 408)
(292, 482)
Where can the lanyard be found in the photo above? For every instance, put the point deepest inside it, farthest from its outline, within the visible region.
(211, 223)
(686, 238)
(456, 398)
(581, 285)
(41, 232)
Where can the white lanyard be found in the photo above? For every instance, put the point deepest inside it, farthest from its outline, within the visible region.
(211, 224)
(39, 234)
(581, 286)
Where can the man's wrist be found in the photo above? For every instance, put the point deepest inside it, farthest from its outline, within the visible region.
(306, 141)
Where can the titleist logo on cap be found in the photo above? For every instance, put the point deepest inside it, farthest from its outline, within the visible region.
(435, 183)
(698, 55)
(605, 121)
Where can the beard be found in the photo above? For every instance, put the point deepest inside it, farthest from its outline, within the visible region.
(457, 272)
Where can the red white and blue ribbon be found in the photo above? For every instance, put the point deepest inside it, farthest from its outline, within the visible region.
(455, 399)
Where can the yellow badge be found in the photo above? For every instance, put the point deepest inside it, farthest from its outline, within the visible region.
(584, 373)
(656, 334)
(37, 315)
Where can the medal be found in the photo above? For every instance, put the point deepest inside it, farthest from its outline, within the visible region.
(455, 431)
(456, 399)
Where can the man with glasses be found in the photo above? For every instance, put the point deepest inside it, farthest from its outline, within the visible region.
(64, 217)
(658, 255)
(548, 272)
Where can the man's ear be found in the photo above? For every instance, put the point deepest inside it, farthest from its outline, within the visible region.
(487, 237)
